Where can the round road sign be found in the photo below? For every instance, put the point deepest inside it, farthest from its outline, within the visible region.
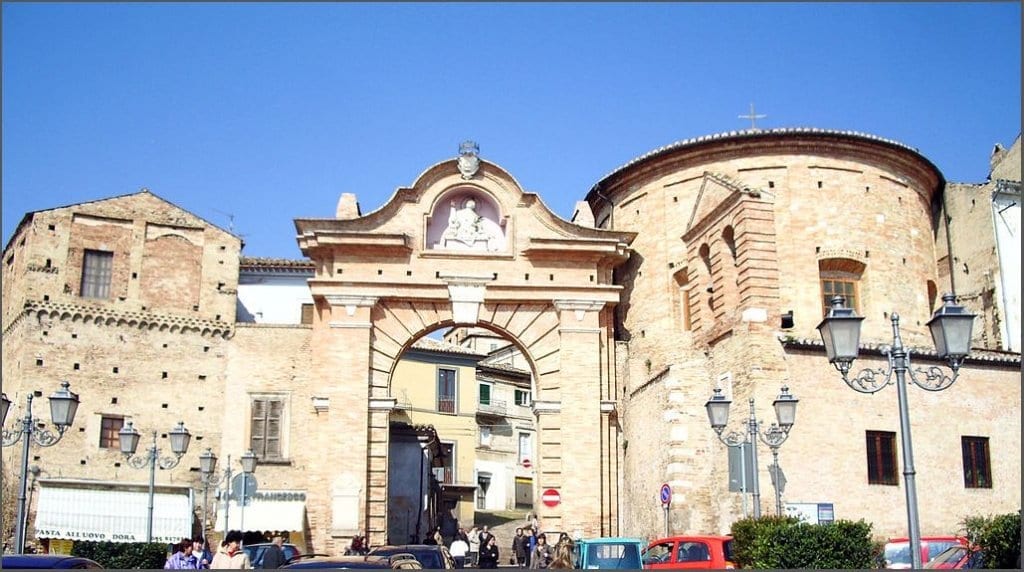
(551, 497)
(527, 464)
(666, 494)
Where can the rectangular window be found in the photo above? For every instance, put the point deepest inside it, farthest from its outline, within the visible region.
(485, 394)
(881, 458)
(97, 268)
(109, 428)
(525, 448)
(831, 288)
(307, 314)
(485, 436)
(522, 397)
(977, 470)
(446, 390)
(266, 427)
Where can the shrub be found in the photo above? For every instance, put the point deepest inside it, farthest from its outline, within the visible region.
(999, 536)
(787, 542)
(118, 555)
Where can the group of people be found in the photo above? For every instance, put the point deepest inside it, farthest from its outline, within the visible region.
(478, 548)
(193, 554)
(532, 550)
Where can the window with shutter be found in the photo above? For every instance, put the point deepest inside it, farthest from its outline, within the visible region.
(97, 269)
(265, 437)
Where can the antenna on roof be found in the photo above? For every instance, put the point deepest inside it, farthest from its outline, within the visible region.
(231, 220)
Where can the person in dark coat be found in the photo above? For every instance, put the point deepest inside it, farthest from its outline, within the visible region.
(520, 548)
(274, 556)
(489, 554)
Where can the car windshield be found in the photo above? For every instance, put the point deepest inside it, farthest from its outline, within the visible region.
(935, 547)
(948, 558)
(897, 553)
(603, 556)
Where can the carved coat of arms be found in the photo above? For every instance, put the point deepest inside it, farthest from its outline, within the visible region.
(469, 160)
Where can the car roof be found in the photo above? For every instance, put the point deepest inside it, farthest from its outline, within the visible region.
(41, 560)
(899, 539)
(609, 539)
(342, 562)
(691, 537)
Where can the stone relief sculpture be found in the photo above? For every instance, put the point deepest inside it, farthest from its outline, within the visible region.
(468, 230)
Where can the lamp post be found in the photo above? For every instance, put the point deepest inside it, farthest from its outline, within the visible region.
(63, 406)
(774, 436)
(248, 461)
(128, 438)
(207, 466)
(951, 331)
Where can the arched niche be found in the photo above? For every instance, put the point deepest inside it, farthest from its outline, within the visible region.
(466, 219)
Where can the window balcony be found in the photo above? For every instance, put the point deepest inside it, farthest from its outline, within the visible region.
(492, 407)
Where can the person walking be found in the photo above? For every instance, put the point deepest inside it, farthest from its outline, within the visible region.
(230, 555)
(489, 555)
(474, 545)
(182, 558)
(459, 549)
(274, 555)
(531, 543)
(540, 558)
(520, 548)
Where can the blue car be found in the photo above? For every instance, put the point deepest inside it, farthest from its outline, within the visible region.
(47, 561)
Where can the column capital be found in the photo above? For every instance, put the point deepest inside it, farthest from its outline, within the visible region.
(350, 303)
(580, 307)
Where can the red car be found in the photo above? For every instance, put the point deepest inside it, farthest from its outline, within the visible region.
(897, 550)
(702, 552)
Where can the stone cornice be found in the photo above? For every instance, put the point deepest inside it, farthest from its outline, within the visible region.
(140, 320)
(977, 356)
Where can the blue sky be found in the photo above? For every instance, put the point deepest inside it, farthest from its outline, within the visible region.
(256, 114)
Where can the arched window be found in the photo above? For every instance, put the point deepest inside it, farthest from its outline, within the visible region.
(682, 298)
(840, 277)
(729, 237)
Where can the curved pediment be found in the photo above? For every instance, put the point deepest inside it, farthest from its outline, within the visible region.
(465, 206)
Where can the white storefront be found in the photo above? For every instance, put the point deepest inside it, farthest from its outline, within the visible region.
(102, 511)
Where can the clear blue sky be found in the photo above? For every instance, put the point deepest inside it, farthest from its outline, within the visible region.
(269, 111)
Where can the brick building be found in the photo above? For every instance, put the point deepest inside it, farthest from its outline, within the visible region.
(700, 265)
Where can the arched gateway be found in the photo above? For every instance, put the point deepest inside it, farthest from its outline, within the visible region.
(465, 245)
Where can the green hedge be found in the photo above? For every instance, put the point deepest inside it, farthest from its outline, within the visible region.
(120, 555)
(999, 536)
(787, 542)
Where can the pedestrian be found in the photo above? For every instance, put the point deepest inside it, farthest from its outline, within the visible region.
(182, 558)
(202, 551)
(438, 536)
(474, 545)
(563, 556)
(273, 557)
(459, 549)
(230, 555)
(485, 534)
(489, 555)
(520, 548)
(541, 556)
(531, 543)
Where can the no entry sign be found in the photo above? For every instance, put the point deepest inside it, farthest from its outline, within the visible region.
(551, 497)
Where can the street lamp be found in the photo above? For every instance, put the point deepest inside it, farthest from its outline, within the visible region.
(774, 436)
(951, 331)
(207, 466)
(128, 438)
(63, 405)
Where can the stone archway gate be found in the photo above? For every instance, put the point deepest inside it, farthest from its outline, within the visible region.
(465, 245)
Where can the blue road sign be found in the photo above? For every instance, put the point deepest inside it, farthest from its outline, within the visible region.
(666, 494)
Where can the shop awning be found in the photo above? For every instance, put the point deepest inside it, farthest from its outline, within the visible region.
(283, 511)
(111, 512)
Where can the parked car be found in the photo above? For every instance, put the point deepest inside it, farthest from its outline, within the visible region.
(257, 550)
(958, 557)
(897, 550)
(430, 556)
(340, 562)
(608, 553)
(700, 551)
(47, 561)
